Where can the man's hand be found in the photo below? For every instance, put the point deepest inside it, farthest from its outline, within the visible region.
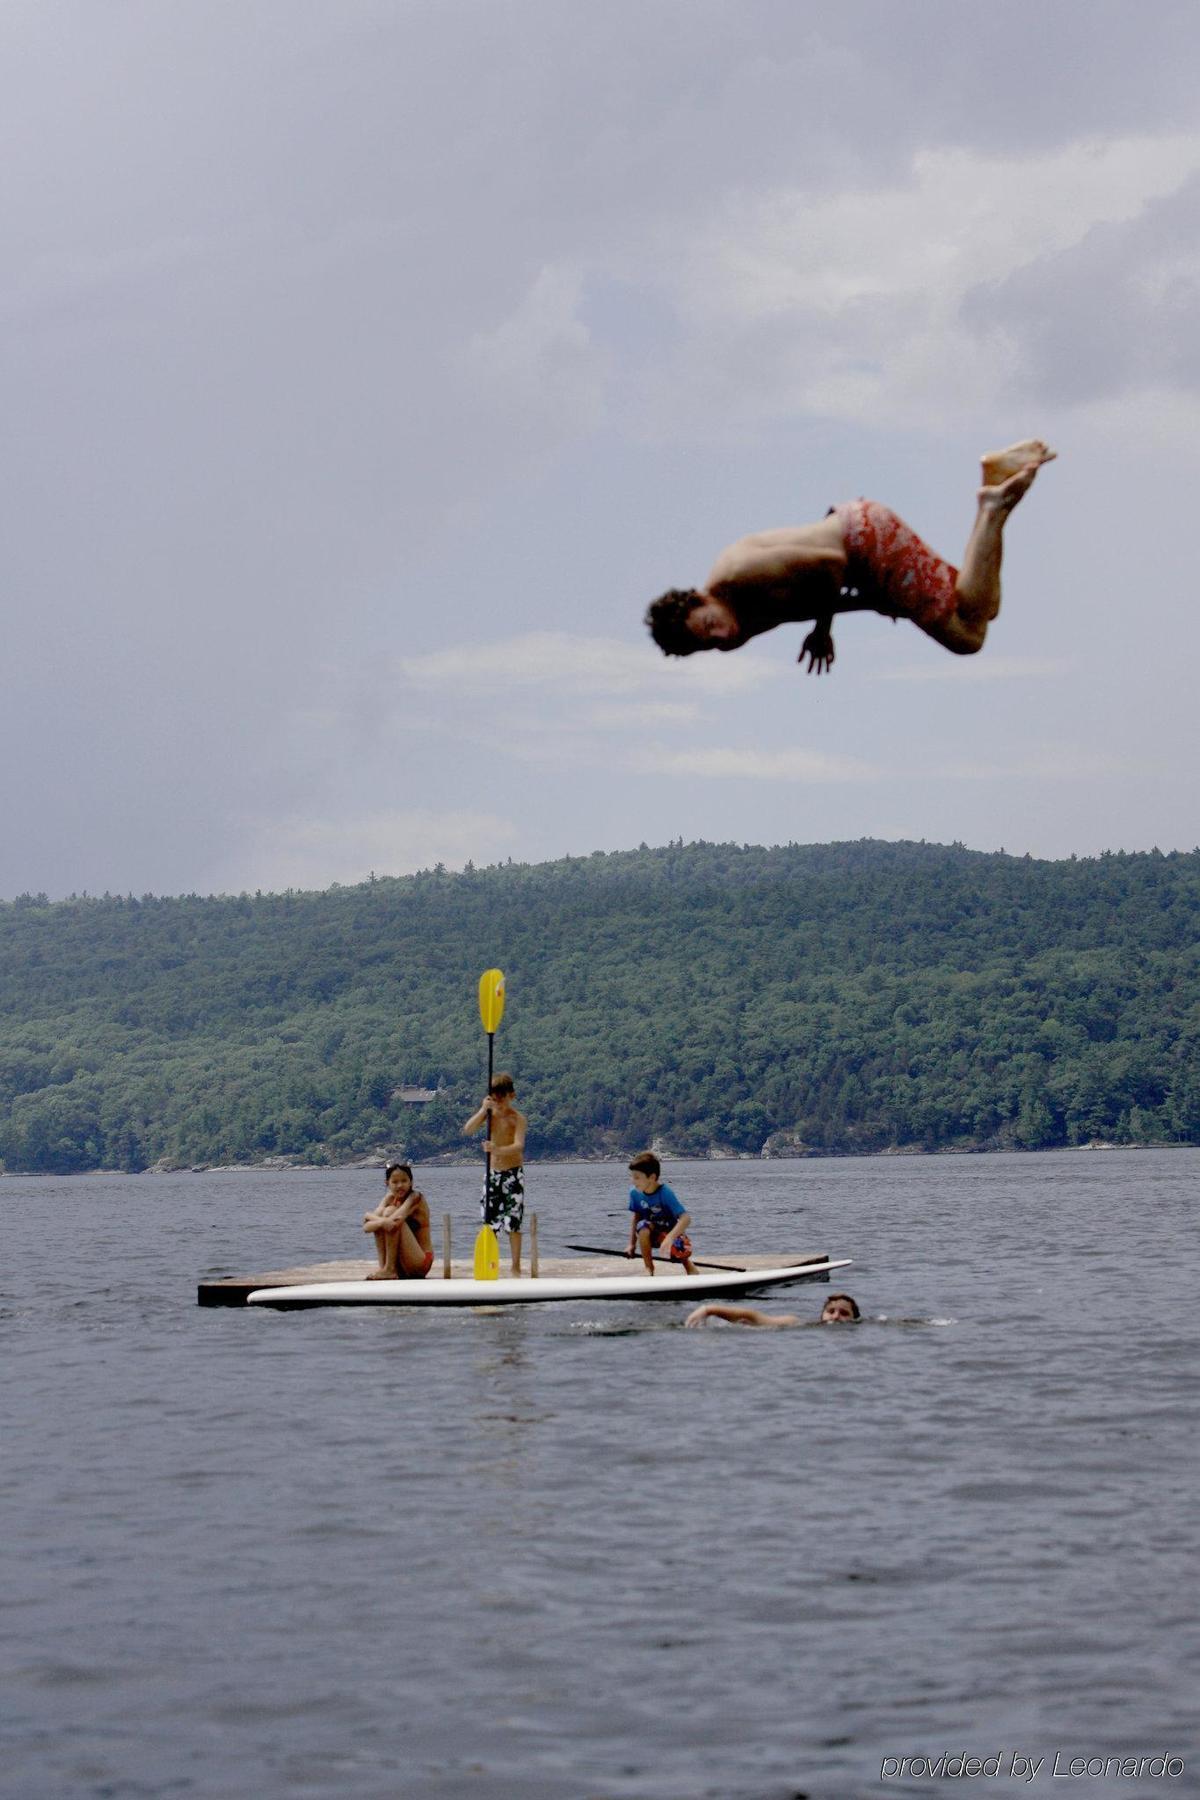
(818, 647)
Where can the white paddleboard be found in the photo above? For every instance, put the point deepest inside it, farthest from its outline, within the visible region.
(508, 1291)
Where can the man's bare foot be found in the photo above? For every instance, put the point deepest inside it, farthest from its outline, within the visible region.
(1002, 499)
(998, 465)
(383, 1275)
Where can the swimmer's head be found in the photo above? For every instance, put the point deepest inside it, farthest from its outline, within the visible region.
(503, 1087)
(685, 620)
(398, 1169)
(840, 1309)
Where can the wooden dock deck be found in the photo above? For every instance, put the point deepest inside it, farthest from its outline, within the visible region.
(231, 1290)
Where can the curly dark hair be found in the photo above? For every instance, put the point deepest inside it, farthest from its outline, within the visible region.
(667, 619)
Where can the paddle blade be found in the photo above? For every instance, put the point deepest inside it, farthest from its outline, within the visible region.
(491, 999)
(487, 1255)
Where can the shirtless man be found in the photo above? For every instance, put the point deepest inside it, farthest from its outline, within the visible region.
(859, 558)
(503, 1202)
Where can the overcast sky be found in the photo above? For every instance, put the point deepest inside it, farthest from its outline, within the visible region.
(367, 367)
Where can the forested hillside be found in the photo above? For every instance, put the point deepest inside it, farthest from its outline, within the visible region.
(844, 997)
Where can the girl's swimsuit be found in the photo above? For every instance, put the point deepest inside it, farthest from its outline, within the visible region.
(403, 1274)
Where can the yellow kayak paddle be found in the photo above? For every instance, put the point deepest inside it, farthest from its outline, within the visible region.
(487, 1254)
(491, 1011)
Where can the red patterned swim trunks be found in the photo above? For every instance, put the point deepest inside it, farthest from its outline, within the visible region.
(892, 566)
(681, 1249)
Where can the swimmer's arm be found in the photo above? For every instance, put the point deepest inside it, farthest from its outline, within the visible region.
(741, 1315)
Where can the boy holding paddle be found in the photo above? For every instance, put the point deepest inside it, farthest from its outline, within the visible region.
(504, 1194)
(659, 1221)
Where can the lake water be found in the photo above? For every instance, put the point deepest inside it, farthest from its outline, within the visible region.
(577, 1552)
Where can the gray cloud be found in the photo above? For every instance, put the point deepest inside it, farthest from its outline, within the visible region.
(336, 334)
(1117, 311)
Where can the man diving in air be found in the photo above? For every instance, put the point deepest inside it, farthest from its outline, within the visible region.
(860, 558)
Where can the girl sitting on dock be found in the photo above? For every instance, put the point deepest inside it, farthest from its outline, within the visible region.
(400, 1226)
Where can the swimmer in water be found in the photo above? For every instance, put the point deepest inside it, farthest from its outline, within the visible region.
(839, 1309)
(860, 558)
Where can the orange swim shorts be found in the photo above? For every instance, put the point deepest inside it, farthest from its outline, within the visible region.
(894, 568)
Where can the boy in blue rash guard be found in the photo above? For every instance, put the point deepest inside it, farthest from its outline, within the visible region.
(659, 1221)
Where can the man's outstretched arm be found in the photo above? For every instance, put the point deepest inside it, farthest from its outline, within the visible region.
(740, 1315)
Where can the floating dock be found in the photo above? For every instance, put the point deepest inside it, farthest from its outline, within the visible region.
(234, 1290)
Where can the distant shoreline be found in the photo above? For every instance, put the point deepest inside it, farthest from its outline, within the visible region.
(362, 1165)
(711, 1002)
